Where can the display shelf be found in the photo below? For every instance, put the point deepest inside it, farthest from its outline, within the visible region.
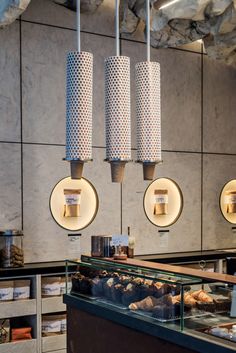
(17, 308)
(53, 305)
(53, 343)
(28, 346)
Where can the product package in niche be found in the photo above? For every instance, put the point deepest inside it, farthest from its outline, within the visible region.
(160, 202)
(72, 202)
(230, 201)
(4, 331)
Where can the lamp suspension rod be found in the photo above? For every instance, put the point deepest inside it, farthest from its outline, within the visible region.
(117, 28)
(78, 24)
(148, 28)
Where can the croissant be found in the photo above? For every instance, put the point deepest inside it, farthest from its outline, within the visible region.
(196, 294)
(174, 300)
(189, 300)
(205, 298)
(146, 304)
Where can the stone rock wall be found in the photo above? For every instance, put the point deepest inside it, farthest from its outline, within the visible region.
(213, 21)
(185, 21)
(85, 5)
(10, 10)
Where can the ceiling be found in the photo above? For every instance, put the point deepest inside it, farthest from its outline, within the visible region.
(173, 22)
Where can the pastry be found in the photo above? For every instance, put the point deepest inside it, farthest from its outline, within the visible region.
(205, 298)
(130, 294)
(146, 289)
(223, 304)
(81, 284)
(107, 286)
(137, 281)
(117, 292)
(174, 289)
(146, 304)
(161, 289)
(166, 312)
(86, 285)
(123, 279)
(149, 302)
(189, 300)
(97, 287)
(202, 296)
(88, 271)
(203, 306)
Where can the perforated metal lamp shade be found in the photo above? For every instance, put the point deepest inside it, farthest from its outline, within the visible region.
(148, 109)
(148, 113)
(117, 114)
(79, 94)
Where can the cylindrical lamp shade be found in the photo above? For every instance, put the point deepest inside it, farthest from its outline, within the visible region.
(79, 99)
(117, 114)
(148, 112)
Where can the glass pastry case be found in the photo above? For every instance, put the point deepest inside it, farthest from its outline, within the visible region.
(178, 301)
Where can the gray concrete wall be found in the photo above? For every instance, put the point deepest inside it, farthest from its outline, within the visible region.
(198, 136)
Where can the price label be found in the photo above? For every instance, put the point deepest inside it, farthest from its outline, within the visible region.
(121, 239)
(159, 199)
(164, 239)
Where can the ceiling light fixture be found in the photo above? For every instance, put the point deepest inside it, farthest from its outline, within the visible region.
(79, 97)
(117, 109)
(148, 109)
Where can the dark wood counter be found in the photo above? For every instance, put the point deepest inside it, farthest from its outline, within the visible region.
(96, 328)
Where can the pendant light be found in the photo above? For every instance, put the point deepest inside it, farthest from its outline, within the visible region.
(148, 109)
(117, 109)
(79, 95)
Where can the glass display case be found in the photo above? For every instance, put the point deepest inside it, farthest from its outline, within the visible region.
(181, 302)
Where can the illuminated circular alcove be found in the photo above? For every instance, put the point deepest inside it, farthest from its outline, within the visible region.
(163, 202)
(228, 201)
(75, 217)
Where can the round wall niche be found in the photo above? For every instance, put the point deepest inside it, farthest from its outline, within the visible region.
(228, 201)
(163, 202)
(73, 203)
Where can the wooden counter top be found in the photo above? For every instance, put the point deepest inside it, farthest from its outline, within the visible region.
(180, 270)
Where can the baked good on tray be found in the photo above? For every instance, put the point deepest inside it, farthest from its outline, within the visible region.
(161, 289)
(202, 296)
(204, 301)
(117, 293)
(130, 294)
(140, 294)
(146, 304)
(166, 312)
(81, 284)
(222, 304)
(166, 307)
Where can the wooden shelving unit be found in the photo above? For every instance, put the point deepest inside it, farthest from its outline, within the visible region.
(18, 308)
(53, 305)
(32, 310)
(53, 343)
(29, 346)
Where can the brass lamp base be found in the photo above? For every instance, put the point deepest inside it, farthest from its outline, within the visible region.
(117, 171)
(148, 171)
(76, 169)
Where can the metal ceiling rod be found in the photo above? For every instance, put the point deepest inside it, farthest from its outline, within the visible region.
(148, 28)
(79, 102)
(117, 28)
(78, 24)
